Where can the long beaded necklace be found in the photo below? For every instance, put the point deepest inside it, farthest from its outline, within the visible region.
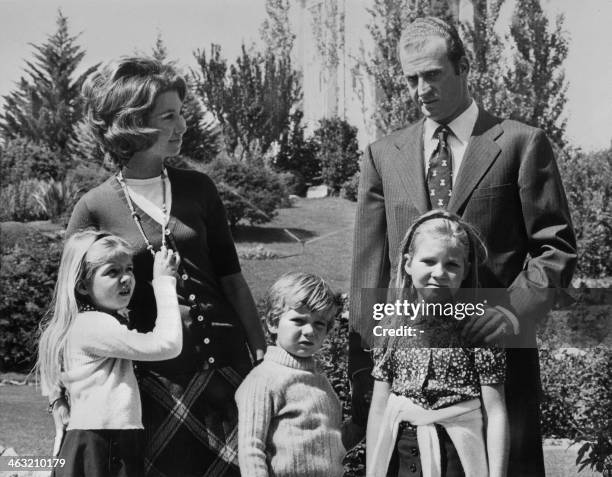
(137, 218)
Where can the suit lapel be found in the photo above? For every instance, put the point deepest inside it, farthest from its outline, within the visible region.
(482, 150)
(408, 164)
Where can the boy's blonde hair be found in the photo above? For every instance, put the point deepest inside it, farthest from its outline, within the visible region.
(297, 289)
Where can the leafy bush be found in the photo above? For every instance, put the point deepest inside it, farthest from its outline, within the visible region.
(83, 147)
(56, 198)
(24, 159)
(588, 183)
(297, 154)
(28, 273)
(350, 188)
(252, 98)
(294, 183)
(18, 202)
(248, 191)
(256, 253)
(333, 358)
(338, 151)
(85, 177)
(577, 387)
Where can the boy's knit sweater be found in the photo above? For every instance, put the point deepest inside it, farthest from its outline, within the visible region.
(289, 420)
(99, 375)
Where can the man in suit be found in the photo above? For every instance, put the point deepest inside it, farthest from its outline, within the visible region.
(504, 181)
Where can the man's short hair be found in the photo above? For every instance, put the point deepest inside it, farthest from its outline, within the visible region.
(417, 33)
(294, 290)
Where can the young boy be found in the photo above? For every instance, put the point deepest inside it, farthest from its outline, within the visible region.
(289, 416)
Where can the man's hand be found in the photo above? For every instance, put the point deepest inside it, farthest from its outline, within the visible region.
(488, 328)
(61, 415)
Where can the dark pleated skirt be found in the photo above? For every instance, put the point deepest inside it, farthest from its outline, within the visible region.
(102, 453)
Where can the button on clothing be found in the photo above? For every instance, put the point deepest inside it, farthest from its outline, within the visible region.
(188, 411)
(439, 377)
(433, 369)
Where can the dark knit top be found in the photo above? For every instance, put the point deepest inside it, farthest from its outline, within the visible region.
(199, 229)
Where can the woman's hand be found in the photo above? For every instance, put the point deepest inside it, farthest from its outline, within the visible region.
(61, 415)
(166, 263)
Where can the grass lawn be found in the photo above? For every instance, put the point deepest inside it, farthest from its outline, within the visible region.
(326, 227)
(25, 424)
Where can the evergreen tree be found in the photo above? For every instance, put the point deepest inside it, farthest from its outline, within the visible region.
(252, 99)
(202, 140)
(46, 104)
(528, 84)
(485, 50)
(159, 51)
(276, 31)
(536, 78)
(394, 109)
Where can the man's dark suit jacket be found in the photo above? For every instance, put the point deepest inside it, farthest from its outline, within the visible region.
(508, 186)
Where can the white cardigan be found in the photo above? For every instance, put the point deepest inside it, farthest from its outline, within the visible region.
(462, 421)
(99, 374)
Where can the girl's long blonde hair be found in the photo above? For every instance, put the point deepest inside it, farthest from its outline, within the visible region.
(84, 252)
(441, 223)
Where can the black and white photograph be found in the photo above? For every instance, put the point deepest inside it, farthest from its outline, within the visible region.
(306, 238)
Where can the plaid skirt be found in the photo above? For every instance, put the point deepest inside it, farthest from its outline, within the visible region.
(190, 423)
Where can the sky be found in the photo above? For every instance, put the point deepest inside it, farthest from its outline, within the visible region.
(112, 28)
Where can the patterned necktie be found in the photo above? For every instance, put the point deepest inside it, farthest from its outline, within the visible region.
(440, 172)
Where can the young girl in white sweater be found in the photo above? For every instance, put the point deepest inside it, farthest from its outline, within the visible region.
(86, 348)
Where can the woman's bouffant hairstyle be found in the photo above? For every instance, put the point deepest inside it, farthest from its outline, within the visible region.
(441, 223)
(297, 289)
(118, 101)
(83, 254)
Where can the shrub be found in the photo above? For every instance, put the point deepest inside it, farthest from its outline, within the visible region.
(85, 177)
(18, 202)
(28, 273)
(83, 146)
(577, 399)
(333, 358)
(297, 154)
(56, 198)
(338, 151)
(256, 253)
(588, 183)
(24, 159)
(294, 183)
(350, 188)
(248, 191)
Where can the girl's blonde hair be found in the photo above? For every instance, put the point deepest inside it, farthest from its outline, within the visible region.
(441, 223)
(84, 252)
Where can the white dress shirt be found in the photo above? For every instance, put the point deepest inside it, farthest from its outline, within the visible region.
(461, 127)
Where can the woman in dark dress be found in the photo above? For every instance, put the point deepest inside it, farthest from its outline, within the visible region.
(134, 109)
